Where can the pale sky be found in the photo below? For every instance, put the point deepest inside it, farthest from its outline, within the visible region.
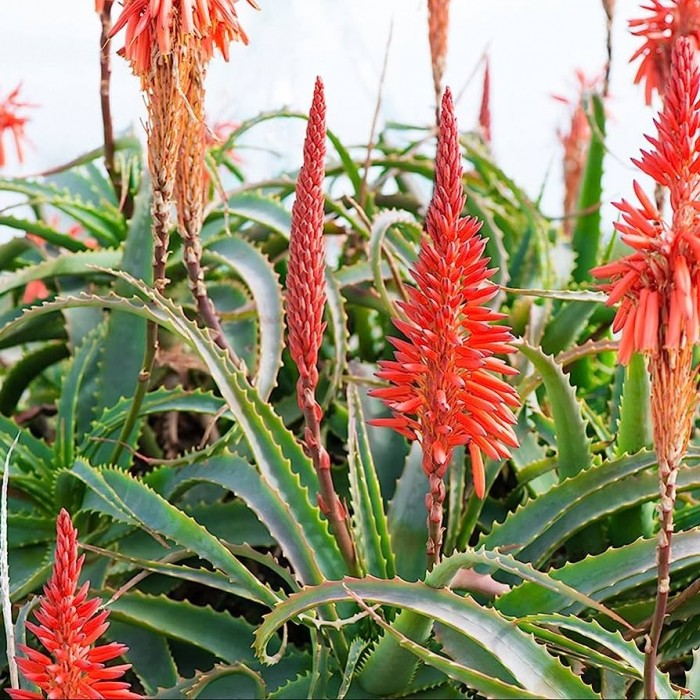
(535, 47)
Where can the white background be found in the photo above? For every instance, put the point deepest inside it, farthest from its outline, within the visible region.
(535, 46)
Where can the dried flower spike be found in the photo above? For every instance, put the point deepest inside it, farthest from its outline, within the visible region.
(305, 301)
(13, 123)
(668, 20)
(69, 625)
(445, 390)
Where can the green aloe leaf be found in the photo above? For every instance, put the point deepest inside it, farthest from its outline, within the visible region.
(47, 233)
(535, 670)
(125, 498)
(545, 523)
(573, 445)
(259, 276)
(369, 519)
(252, 206)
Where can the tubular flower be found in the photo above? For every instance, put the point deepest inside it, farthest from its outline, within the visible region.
(152, 23)
(668, 20)
(658, 285)
(445, 389)
(11, 121)
(69, 625)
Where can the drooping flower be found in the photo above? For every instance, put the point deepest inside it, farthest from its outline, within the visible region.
(12, 122)
(658, 285)
(69, 625)
(445, 386)
(154, 23)
(576, 142)
(666, 22)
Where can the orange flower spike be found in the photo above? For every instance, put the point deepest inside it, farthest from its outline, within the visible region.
(668, 20)
(445, 391)
(69, 625)
(655, 284)
(13, 123)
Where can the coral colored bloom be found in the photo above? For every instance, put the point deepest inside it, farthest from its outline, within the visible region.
(306, 286)
(576, 142)
(658, 285)
(438, 27)
(485, 110)
(668, 20)
(13, 122)
(69, 625)
(445, 390)
(156, 22)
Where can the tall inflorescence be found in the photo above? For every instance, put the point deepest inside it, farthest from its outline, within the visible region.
(305, 302)
(438, 29)
(666, 21)
(658, 288)
(445, 385)
(12, 122)
(68, 626)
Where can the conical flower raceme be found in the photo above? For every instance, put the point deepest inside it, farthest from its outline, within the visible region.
(445, 386)
(658, 285)
(12, 122)
(667, 21)
(69, 625)
(152, 24)
(485, 109)
(306, 287)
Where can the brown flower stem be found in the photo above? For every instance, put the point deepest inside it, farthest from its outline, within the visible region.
(668, 473)
(105, 78)
(190, 191)
(609, 7)
(328, 500)
(434, 501)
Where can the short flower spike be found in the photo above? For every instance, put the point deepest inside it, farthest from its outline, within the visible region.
(445, 385)
(69, 625)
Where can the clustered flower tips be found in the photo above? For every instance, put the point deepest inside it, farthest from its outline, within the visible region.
(148, 22)
(658, 285)
(13, 122)
(445, 390)
(306, 287)
(69, 625)
(668, 20)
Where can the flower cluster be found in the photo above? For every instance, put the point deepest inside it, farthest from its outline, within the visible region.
(213, 22)
(658, 285)
(446, 391)
(12, 122)
(668, 20)
(69, 625)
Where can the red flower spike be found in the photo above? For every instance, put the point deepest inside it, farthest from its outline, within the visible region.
(69, 624)
(445, 391)
(306, 286)
(668, 21)
(13, 123)
(485, 109)
(153, 23)
(655, 283)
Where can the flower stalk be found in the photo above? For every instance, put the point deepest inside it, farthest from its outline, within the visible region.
(658, 289)
(444, 388)
(438, 28)
(305, 302)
